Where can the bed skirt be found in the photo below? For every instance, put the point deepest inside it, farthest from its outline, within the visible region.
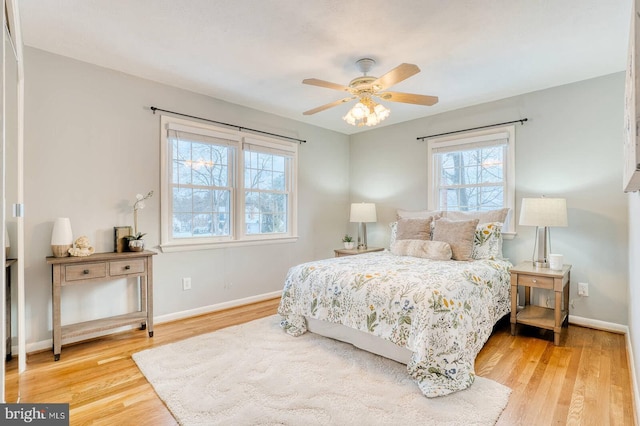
(359, 339)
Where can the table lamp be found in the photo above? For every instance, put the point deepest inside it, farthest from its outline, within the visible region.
(61, 237)
(543, 213)
(363, 213)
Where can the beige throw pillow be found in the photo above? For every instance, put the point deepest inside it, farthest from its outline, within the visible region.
(459, 234)
(414, 229)
(434, 250)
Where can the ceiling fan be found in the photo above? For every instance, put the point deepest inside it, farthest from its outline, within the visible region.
(364, 88)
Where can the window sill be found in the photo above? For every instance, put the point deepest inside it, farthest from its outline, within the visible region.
(509, 235)
(176, 247)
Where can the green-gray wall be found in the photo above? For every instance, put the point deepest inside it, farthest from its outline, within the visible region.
(571, 147)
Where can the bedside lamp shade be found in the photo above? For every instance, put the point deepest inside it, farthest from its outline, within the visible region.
(61, 237)
(363, 213)
(543, 213)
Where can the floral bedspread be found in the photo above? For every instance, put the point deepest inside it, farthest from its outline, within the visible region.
(442, 311)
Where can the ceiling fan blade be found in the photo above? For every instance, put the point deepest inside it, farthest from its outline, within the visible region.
(327, 106)
(396, 75)
(327, 84)
(408, 98)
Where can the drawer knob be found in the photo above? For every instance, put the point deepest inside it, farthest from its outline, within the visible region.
(534, 280)
(86, 272)
(127, 267)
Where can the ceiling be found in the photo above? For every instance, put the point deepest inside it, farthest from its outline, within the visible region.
(257, 52)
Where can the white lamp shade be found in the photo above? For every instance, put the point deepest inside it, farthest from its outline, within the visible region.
(543, 212)
(61, 234)
(363, 212)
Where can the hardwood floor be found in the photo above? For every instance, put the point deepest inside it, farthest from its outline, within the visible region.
(585, 380)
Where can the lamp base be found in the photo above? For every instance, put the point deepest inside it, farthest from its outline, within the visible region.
(61, 250)
(540, 264)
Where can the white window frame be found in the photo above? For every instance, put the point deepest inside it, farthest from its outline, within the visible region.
(236, 139)
(467, 140)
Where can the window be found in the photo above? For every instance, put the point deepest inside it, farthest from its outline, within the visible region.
(224, 187)
(474, 172)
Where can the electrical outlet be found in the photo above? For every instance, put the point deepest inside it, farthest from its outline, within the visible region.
(186, 283)
(583, 289)
(227, 286)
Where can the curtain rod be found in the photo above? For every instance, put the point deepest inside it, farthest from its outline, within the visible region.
(154, 109)
(521, 121)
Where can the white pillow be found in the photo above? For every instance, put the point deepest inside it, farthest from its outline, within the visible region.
(435, 250)
(483, 216)
(418, 214)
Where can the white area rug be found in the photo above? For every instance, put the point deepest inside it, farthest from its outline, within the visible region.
(255, 373)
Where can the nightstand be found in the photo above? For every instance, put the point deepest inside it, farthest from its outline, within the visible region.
(353, 252)
(528, 276)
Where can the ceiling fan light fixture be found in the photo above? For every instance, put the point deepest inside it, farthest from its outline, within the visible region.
(366, 113)
(359, 111)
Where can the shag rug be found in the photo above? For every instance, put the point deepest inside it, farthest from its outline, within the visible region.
(255, 373)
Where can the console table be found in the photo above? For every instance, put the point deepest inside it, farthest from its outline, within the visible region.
(102, 267)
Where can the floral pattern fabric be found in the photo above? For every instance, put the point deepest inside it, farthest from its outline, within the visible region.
(442, 311)
(487, 242)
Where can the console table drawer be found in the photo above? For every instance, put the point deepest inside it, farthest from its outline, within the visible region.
(126, 267)
(85, 271)
(535, 281)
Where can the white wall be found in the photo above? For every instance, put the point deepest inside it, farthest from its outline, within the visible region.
(571, 147)
(92, 144)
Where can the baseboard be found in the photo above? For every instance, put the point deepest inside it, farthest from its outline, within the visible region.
(47, 344)
(217, 307)
(599, 325)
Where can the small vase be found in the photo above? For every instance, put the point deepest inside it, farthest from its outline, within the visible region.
(136, 245)
(349, 245)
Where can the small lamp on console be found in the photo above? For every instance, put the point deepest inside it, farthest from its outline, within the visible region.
(543, 213)
(61, 237)
(363, 213)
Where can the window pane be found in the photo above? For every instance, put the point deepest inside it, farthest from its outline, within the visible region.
(221, 212)
(464, 174)
(265, 213)
(182, 225)
(202, 200)
(182, 199)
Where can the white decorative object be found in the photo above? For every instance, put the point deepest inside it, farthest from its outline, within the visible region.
(61, 237)
(556, 261)
(82, 247)
(139, 204)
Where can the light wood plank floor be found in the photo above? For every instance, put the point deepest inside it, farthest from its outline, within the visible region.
(585, 380)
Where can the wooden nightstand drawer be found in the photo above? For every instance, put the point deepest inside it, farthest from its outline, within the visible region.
(85, 271)
(126, 267)
(535, 281)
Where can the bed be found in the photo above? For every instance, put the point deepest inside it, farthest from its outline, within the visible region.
(409, 303)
